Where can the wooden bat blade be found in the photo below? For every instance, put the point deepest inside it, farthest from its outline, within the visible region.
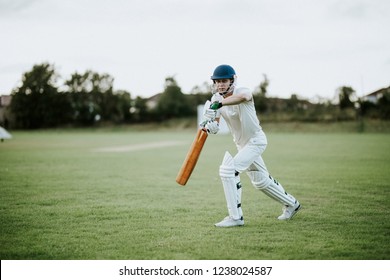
(191, 158)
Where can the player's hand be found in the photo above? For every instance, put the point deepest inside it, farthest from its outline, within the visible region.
(209, 114)
(216, 105)
(212, 127)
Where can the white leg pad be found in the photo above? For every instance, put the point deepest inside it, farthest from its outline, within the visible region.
(271, 187)
(226, 171)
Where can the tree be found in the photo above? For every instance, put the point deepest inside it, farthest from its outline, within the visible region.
(384, 105)
(37, 103)
(78, 90)
(172, 102)
(293, 104)
(123, 105)
(345, 95)
(139, 110)
(92, 98)
(260, 95)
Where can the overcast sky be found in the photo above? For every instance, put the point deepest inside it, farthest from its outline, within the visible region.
(305, 47)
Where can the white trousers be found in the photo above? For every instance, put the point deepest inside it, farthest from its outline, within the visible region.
(249, 159)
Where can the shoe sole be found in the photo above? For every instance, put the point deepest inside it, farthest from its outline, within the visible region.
(223, 226)
(228, 226)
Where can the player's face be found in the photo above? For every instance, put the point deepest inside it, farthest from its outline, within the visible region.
(222, 85)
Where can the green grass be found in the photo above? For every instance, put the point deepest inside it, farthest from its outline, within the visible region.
(61, 199)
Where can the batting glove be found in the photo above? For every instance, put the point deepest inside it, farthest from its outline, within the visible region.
(209, 114)
(212, 127)
(216, 105)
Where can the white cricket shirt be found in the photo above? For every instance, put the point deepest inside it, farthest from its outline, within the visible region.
(241, 119)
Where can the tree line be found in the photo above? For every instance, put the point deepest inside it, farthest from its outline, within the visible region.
(89, 98)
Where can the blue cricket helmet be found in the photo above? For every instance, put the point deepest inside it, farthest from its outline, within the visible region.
(223, 71)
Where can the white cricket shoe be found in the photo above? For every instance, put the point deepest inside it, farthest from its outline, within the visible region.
(230, 222)
(290, 211)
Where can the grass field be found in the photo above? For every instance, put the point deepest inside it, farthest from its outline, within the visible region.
(111, 194)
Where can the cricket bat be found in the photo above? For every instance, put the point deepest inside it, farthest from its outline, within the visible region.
(191, 158)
